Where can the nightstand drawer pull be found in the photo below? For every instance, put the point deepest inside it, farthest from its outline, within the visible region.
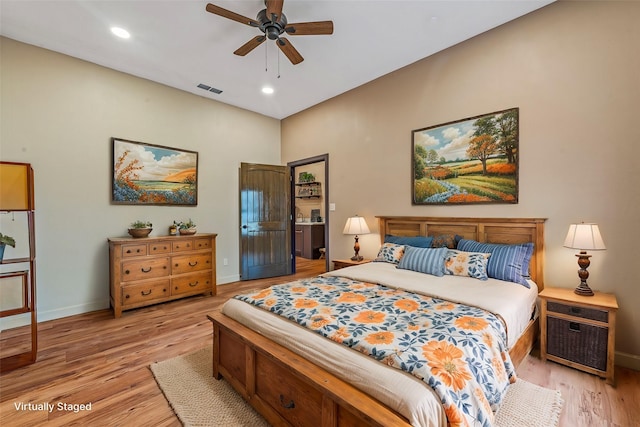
(577, 311)
(574, 326)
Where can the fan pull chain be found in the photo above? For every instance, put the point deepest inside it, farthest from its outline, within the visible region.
(266, 63)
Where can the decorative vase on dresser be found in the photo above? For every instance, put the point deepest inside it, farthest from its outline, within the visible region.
(159, 269)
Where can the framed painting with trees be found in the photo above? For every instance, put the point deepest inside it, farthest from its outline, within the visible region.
(468, 161)
(147, 174)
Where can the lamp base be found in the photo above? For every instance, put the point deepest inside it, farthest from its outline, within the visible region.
(583, 261)
(583, 289)
(357, 258)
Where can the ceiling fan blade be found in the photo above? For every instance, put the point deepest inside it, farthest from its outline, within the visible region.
(217, 10)
(250, 45)
(274, 7)
(310, 28)
(289, 51)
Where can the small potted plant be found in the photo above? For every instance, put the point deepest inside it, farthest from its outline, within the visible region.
(187, 227)
(4, 241)
(140, 228)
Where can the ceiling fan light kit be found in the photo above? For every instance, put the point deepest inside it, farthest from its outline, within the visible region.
(273, 23)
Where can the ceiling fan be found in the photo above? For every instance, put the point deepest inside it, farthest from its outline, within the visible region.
(273, 23)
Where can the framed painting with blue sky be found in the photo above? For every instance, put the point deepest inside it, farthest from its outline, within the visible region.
(147, 174)
(468, 161)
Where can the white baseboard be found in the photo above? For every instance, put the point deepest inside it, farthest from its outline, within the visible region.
(228, 279)
(631, 361)
(43, 316)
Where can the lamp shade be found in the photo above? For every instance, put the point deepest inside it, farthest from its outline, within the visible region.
(584, 237)
(356, 225)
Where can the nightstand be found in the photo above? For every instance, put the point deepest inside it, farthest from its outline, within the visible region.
(579, 331)
(342, 263)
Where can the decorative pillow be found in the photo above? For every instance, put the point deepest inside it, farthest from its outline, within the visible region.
(424, 260)
(507, 262)
(390, 252)
(445, 241)
(472, 264)
(415, 241)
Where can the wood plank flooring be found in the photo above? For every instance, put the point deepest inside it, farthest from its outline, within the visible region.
(94, 358)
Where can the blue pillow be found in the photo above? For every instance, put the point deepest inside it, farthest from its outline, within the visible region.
(424, 260)
(507, 262)
(415, 241)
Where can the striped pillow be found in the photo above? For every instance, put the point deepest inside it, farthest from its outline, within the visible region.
(424, 260)
(507, 262)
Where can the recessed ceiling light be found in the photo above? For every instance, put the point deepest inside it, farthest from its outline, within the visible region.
(268, 90)
(120, 32)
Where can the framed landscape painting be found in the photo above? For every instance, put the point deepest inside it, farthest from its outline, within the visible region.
(469, 161)
(147, 174)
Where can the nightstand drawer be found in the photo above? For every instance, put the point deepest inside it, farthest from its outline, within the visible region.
(577, 342)
(577, 311)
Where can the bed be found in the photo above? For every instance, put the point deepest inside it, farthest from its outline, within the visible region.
(295, 378)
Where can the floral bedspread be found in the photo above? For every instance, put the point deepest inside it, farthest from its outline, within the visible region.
(458, 350)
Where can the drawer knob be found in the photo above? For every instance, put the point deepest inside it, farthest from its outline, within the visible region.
(289, 405)
(144, 294)
(126, 272)
(193, 285)
(193, 264)
(145, 271)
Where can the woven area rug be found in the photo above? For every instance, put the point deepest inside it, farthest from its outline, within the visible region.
(200, 400)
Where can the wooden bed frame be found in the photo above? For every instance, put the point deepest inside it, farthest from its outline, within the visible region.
(289, 390)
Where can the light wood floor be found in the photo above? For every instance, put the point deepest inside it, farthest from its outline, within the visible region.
(94, 358)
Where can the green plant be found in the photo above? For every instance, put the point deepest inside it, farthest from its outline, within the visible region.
(141, 224)
(185, 225)
(7, 240)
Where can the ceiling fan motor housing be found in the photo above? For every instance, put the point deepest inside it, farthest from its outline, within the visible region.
(272, 29)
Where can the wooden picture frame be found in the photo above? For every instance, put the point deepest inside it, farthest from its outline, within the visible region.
(148, 174)
(468, 161)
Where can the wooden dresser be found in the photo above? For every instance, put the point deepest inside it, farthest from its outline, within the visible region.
(151, 270)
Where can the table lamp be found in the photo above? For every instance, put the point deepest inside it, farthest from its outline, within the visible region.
(584, 237)
(356, 225)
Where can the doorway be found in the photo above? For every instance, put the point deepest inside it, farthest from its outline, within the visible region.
(310, 210)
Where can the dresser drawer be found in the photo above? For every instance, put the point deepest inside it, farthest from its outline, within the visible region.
(295, 400)
(204, 243)
(182, 245)
(159, 248)
(577, 342)
(188, 263)
(155, 289)
(134, 250)
(577, 311)
(191, 283)
(145, 269)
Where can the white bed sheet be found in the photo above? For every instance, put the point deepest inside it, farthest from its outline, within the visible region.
(398, 390)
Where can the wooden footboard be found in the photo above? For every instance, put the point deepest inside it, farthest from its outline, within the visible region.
(286, 389)
(289, 390)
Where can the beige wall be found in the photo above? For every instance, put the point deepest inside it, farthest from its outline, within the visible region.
(572, 68)
(59, 113)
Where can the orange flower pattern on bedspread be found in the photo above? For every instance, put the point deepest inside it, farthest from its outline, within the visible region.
(458, 350)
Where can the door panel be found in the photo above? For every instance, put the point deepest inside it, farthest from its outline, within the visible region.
(264, 221)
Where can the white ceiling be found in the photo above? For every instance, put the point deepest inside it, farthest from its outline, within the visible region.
(179, 44)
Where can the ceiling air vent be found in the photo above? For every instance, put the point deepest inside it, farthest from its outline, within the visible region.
(209, 88)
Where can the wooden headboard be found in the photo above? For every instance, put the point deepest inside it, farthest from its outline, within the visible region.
(489, 230)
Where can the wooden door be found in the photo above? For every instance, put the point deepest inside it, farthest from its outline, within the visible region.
(265, 224)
